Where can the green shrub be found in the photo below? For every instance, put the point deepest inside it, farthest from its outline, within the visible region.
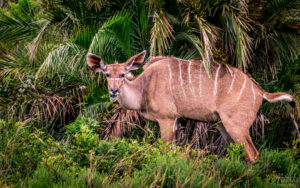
(281, 163)
(235, 152)
(82, 132)
(82, 123)
(20, 150)
(173, 170)
(44, 177)
(30, 158)
(231, 170)
(82, 147)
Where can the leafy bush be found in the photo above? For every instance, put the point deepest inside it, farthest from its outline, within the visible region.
(20, 150)
(83, 148)
(45, 177)
(235, 152)
(283, 163)
(82, 132)
(170, 171)
(80, 159)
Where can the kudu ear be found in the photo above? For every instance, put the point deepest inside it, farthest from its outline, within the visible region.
(95, 63)
(136, 61)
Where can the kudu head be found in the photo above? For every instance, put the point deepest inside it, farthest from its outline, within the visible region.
(115, 73)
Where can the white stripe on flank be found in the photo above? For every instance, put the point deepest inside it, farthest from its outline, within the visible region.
(170, 74)
(170, 78)
(254, 96)
(180, 78)
(232, 82)
(216, 80)
(175, 126)
(190, 79)
(170, 84)
(243, 87)
(200, 82)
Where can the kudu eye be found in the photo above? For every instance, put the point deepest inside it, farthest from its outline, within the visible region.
(122, 75)
(107, 75)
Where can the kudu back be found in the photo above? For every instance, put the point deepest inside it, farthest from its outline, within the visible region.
(171, 88)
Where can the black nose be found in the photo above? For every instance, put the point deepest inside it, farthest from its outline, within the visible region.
(114, 91)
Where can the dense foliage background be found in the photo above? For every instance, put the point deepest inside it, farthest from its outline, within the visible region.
(57, 118)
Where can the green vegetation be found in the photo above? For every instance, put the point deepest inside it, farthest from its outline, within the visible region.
(56, 120)
(31, 158)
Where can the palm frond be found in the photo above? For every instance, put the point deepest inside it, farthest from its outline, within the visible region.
(282, 15)
(192, 39)
(236, 40)
(276, 35)
(84, 36)
(140, 25)
(66, 63)
(92, 111)
(96, 4)
(208, 34)
(69, 16)
(16, 28)
(243, 48)
(285, 47)
(182, 51)
(35, 44)
(161, 34)
(112, 42)
(16, 65)
(194, 16)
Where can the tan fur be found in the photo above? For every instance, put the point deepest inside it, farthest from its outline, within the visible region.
(153, 60)
(170, 88)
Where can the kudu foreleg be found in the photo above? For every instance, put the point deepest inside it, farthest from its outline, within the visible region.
(167, 131)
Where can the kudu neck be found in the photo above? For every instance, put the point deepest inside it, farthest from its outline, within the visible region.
(131, 94)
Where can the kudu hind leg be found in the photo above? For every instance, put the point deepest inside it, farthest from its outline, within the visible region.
(249, 139)
(239, 133)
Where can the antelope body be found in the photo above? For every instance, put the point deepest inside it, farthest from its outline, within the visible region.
(170, 88)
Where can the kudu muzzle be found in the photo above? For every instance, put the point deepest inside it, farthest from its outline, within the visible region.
(114, 92)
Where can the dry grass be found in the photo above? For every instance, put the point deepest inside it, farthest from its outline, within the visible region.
(121, 121)
(59, 106)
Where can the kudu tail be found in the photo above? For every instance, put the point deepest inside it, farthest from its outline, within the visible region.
(280, 96)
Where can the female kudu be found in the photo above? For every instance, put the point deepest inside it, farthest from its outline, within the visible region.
(170, 88)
